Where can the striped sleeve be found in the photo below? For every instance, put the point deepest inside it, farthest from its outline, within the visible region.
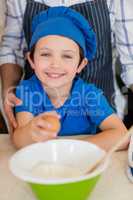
(121, 14)
(13, 42)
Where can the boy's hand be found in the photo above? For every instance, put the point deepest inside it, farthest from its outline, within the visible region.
(42, 128)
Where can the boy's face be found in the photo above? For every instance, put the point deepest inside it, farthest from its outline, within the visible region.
(56, 61)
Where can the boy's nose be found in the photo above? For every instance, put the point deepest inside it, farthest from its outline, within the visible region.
(55, 62)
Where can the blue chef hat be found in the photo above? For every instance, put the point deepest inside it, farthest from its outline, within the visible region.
(65, 22)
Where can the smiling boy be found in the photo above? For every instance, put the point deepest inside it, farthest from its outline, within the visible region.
(61, 45)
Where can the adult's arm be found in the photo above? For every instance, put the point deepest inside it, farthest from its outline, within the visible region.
(13, 44)
(10, 76)
(12, 51)
(123, 23)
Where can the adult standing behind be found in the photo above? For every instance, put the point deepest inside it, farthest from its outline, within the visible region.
(105, 16)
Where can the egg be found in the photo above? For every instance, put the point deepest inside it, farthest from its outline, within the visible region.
(54, 121)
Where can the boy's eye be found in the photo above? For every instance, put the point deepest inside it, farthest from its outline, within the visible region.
(45, 54)
(67, 56)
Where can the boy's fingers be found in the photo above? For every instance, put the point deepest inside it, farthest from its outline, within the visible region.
(43, 124)
(36, 137)
(51, 113)
(40, 135)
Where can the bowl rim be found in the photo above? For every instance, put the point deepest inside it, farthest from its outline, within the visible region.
(38, 180)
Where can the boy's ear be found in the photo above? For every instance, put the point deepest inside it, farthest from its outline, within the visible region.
(30, 60)
(82, 65)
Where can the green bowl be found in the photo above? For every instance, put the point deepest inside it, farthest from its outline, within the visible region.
(74, 153)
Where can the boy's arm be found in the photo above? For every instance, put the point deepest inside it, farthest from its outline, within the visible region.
(22, 134)
(112, 129)
(103, 116)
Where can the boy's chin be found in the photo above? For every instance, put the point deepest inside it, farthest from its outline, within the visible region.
(53, 85)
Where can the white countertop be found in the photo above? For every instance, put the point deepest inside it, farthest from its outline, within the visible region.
(113, 185)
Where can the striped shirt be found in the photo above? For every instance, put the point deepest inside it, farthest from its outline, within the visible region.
(14, 45)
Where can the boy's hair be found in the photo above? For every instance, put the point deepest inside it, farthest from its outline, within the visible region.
(81, 53)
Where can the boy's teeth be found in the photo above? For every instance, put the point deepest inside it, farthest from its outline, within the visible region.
(54, 75)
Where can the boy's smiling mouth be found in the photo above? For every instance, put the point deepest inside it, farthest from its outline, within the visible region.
(54, 75)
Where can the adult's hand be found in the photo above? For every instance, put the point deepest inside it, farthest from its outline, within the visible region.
(9, 102)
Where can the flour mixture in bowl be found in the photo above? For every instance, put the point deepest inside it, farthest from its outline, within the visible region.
(52, 171)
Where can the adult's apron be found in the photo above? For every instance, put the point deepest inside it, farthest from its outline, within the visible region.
(99, 71)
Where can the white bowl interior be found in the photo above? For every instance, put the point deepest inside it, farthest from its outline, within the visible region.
(74, 153)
